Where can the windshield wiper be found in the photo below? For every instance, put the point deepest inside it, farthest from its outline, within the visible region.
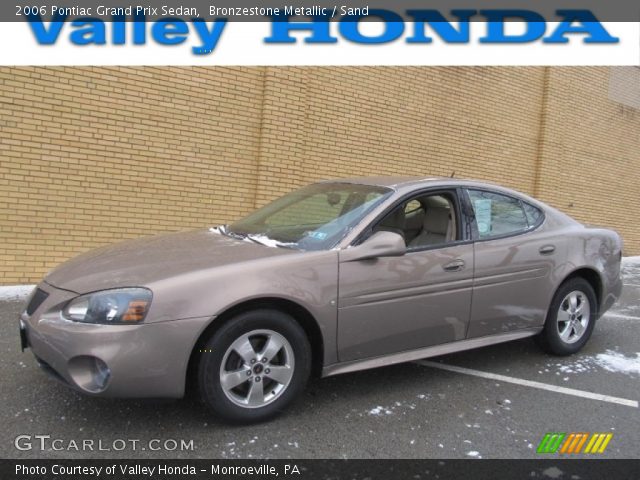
(259, 242)
(224, 229)
(260, 239)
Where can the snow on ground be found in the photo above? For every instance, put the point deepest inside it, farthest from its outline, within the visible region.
(631, 267)
(611, 361)
(380, 411)
(616, 362)
(400, 408)
(13, 293)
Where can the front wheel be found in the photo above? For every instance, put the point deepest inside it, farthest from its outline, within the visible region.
(254, 366)
(570, 319)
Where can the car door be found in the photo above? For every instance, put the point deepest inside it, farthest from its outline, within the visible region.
(514, 258)
(423, 298)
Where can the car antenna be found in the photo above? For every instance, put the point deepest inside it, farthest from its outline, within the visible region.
(453, 174)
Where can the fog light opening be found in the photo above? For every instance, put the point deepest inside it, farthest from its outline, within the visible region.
(102, 374)
(90, 373)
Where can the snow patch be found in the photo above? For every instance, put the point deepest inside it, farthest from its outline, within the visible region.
(380, 411)
(264, 240)
(630, 267)
(617, 362)
(396, 408)
(473, 453)
(631, 260)
(14, 293)
(610, 360)
(582, 366)
(253, 238)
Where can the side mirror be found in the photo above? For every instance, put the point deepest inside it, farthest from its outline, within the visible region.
(380, 244)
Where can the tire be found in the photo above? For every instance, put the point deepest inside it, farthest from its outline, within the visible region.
(254, 366)
(570, 319)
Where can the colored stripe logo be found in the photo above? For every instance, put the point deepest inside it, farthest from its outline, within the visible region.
(598, 443)
(571, 443)
(551, 442)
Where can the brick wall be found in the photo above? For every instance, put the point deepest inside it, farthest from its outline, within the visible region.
(90, 156)
(590, 154)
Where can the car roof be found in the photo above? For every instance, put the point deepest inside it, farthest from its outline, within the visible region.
(407, 182)
(386, 181)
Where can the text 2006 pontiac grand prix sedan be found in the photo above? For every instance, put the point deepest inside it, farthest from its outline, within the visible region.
(335, 277)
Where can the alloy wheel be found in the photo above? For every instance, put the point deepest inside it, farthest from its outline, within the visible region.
(257, 368)
(574, 315)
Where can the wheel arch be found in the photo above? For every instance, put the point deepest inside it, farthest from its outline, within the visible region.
(300, 314)
(592, 276)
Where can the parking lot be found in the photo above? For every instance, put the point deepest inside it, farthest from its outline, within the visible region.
(413, 410)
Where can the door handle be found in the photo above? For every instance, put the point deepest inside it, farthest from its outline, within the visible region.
(547, 249)
(454, 266)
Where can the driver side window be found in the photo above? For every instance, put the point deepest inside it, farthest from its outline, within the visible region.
(424, 221)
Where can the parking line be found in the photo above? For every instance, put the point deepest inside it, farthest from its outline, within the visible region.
(530, 383)
(620, 316)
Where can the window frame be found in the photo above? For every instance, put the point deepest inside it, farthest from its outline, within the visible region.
(463, 226)
(474, 224)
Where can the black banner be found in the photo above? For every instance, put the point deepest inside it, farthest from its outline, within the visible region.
(320, 469)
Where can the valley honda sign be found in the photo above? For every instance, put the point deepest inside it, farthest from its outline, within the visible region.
(322, 35)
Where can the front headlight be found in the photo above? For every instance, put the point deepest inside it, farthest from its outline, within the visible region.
(124, 305)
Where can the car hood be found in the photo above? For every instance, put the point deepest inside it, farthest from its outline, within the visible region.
(143, 261)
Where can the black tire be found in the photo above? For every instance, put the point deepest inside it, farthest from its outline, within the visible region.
(216, 348)
(550, 338)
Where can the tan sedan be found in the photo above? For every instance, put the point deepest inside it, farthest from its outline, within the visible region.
(335, 277)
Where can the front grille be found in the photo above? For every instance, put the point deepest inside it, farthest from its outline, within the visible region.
(38, 297)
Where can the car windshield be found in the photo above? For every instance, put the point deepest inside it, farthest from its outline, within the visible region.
(316, 217)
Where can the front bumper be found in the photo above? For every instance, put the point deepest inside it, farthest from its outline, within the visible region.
(144, 360)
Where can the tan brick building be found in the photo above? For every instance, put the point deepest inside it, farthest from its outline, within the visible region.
(90, 156)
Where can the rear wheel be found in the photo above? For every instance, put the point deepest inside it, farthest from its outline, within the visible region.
(570, 319)
(254, 366)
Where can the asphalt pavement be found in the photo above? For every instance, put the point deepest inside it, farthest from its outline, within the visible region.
(404, 411)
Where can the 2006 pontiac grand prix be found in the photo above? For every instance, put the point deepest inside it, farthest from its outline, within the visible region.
(335, 277)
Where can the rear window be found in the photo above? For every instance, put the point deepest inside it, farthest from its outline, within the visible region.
(534, 214)
(497, 215)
